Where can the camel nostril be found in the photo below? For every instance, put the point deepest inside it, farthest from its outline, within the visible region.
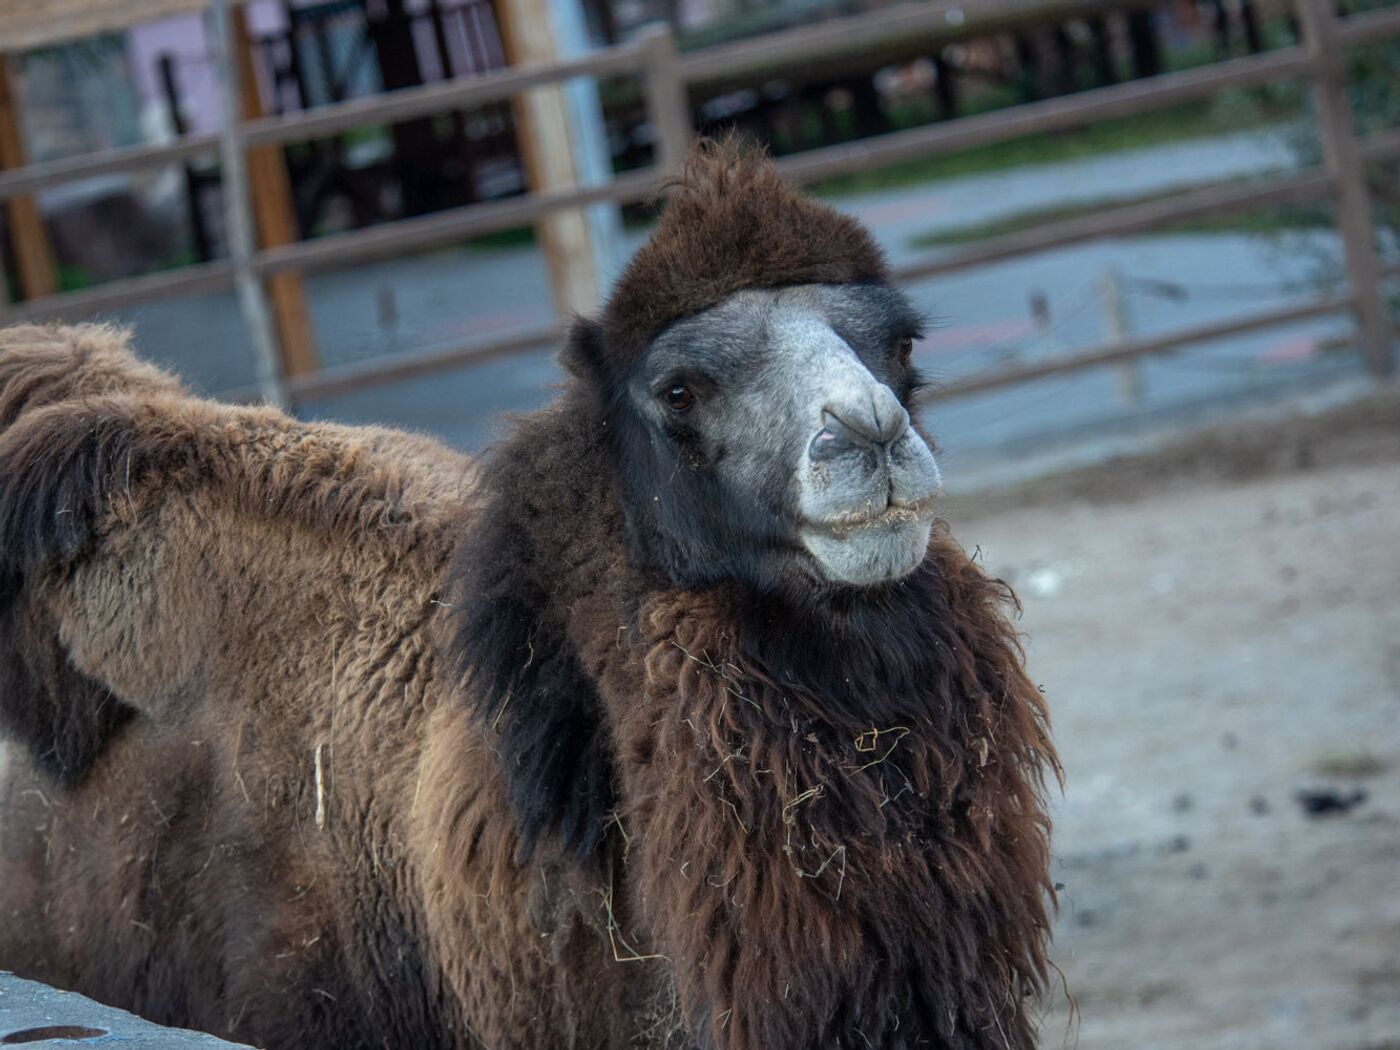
(830, 441)
(855, 425)
(868, 427)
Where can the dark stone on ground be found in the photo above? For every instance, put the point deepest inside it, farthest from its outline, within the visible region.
(33, 1014)
(1329, 802)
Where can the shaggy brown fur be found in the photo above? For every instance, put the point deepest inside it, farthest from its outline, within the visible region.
(803, 875)
(732, 223)
(235, 649)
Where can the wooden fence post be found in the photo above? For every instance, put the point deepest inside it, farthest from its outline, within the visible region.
(668, 106)
(33, 254)
(546, 146)
(242, 242)
(273, 216)
(1119, 331)
(1347, 168)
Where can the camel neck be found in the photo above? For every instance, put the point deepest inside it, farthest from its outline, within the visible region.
(762, 761)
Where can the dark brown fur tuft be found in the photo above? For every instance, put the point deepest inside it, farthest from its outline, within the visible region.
(731, 222)
(863, 837)
(832, 824)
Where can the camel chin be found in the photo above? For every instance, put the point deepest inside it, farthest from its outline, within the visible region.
(870, 555)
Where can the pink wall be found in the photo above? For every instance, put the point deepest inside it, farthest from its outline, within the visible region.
(184, 37)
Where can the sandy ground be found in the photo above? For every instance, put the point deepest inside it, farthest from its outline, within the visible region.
(1218, 629)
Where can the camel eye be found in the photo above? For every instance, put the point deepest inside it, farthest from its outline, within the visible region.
(906, 349)
(679, 398)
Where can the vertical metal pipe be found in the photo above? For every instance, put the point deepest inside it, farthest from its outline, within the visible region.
(238, 212)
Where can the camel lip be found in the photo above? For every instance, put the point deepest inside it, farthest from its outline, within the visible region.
(894, 515)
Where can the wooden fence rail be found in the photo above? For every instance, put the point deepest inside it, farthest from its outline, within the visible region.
(665, 75)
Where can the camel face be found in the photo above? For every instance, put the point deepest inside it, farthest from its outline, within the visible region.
(783, 415)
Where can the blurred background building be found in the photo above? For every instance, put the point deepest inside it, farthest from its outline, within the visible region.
(154, 80)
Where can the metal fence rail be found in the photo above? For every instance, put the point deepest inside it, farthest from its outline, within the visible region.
(1131, 349)
(1320, 60)
(943, 20)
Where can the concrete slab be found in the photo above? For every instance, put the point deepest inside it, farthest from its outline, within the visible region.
(33, 1014)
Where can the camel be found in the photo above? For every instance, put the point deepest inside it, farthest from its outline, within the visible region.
(677, 720)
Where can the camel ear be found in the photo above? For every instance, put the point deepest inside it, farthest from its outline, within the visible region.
(584, 355)
(522, 677)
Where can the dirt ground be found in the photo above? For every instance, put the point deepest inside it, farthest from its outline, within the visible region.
(1218, 629)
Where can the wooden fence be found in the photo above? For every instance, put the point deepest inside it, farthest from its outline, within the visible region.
(1320, 59)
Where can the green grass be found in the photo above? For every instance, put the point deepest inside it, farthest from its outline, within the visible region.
(74, 278)
(515, 237)
(1349, 762)
(1178, 124)
(1261, 221)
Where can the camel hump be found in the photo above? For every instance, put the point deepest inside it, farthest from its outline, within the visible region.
(62, 467)
(66, 432)
(119, 490)
(66, 429)
(44, 364)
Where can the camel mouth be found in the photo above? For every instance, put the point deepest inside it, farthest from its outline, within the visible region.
(894, 515)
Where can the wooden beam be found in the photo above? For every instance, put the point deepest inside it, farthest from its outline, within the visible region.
(1212, 198)
(1343, 156)
(546, 147)
(33, 253)
(275, 219)
(338, 250)
(843, 46)
(26, 24)
(668, 104)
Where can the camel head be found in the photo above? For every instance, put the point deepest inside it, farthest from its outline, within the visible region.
(753, 373)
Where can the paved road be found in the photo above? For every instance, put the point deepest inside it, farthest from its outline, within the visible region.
(980, 318)
(32, 1013)
(897, 216)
